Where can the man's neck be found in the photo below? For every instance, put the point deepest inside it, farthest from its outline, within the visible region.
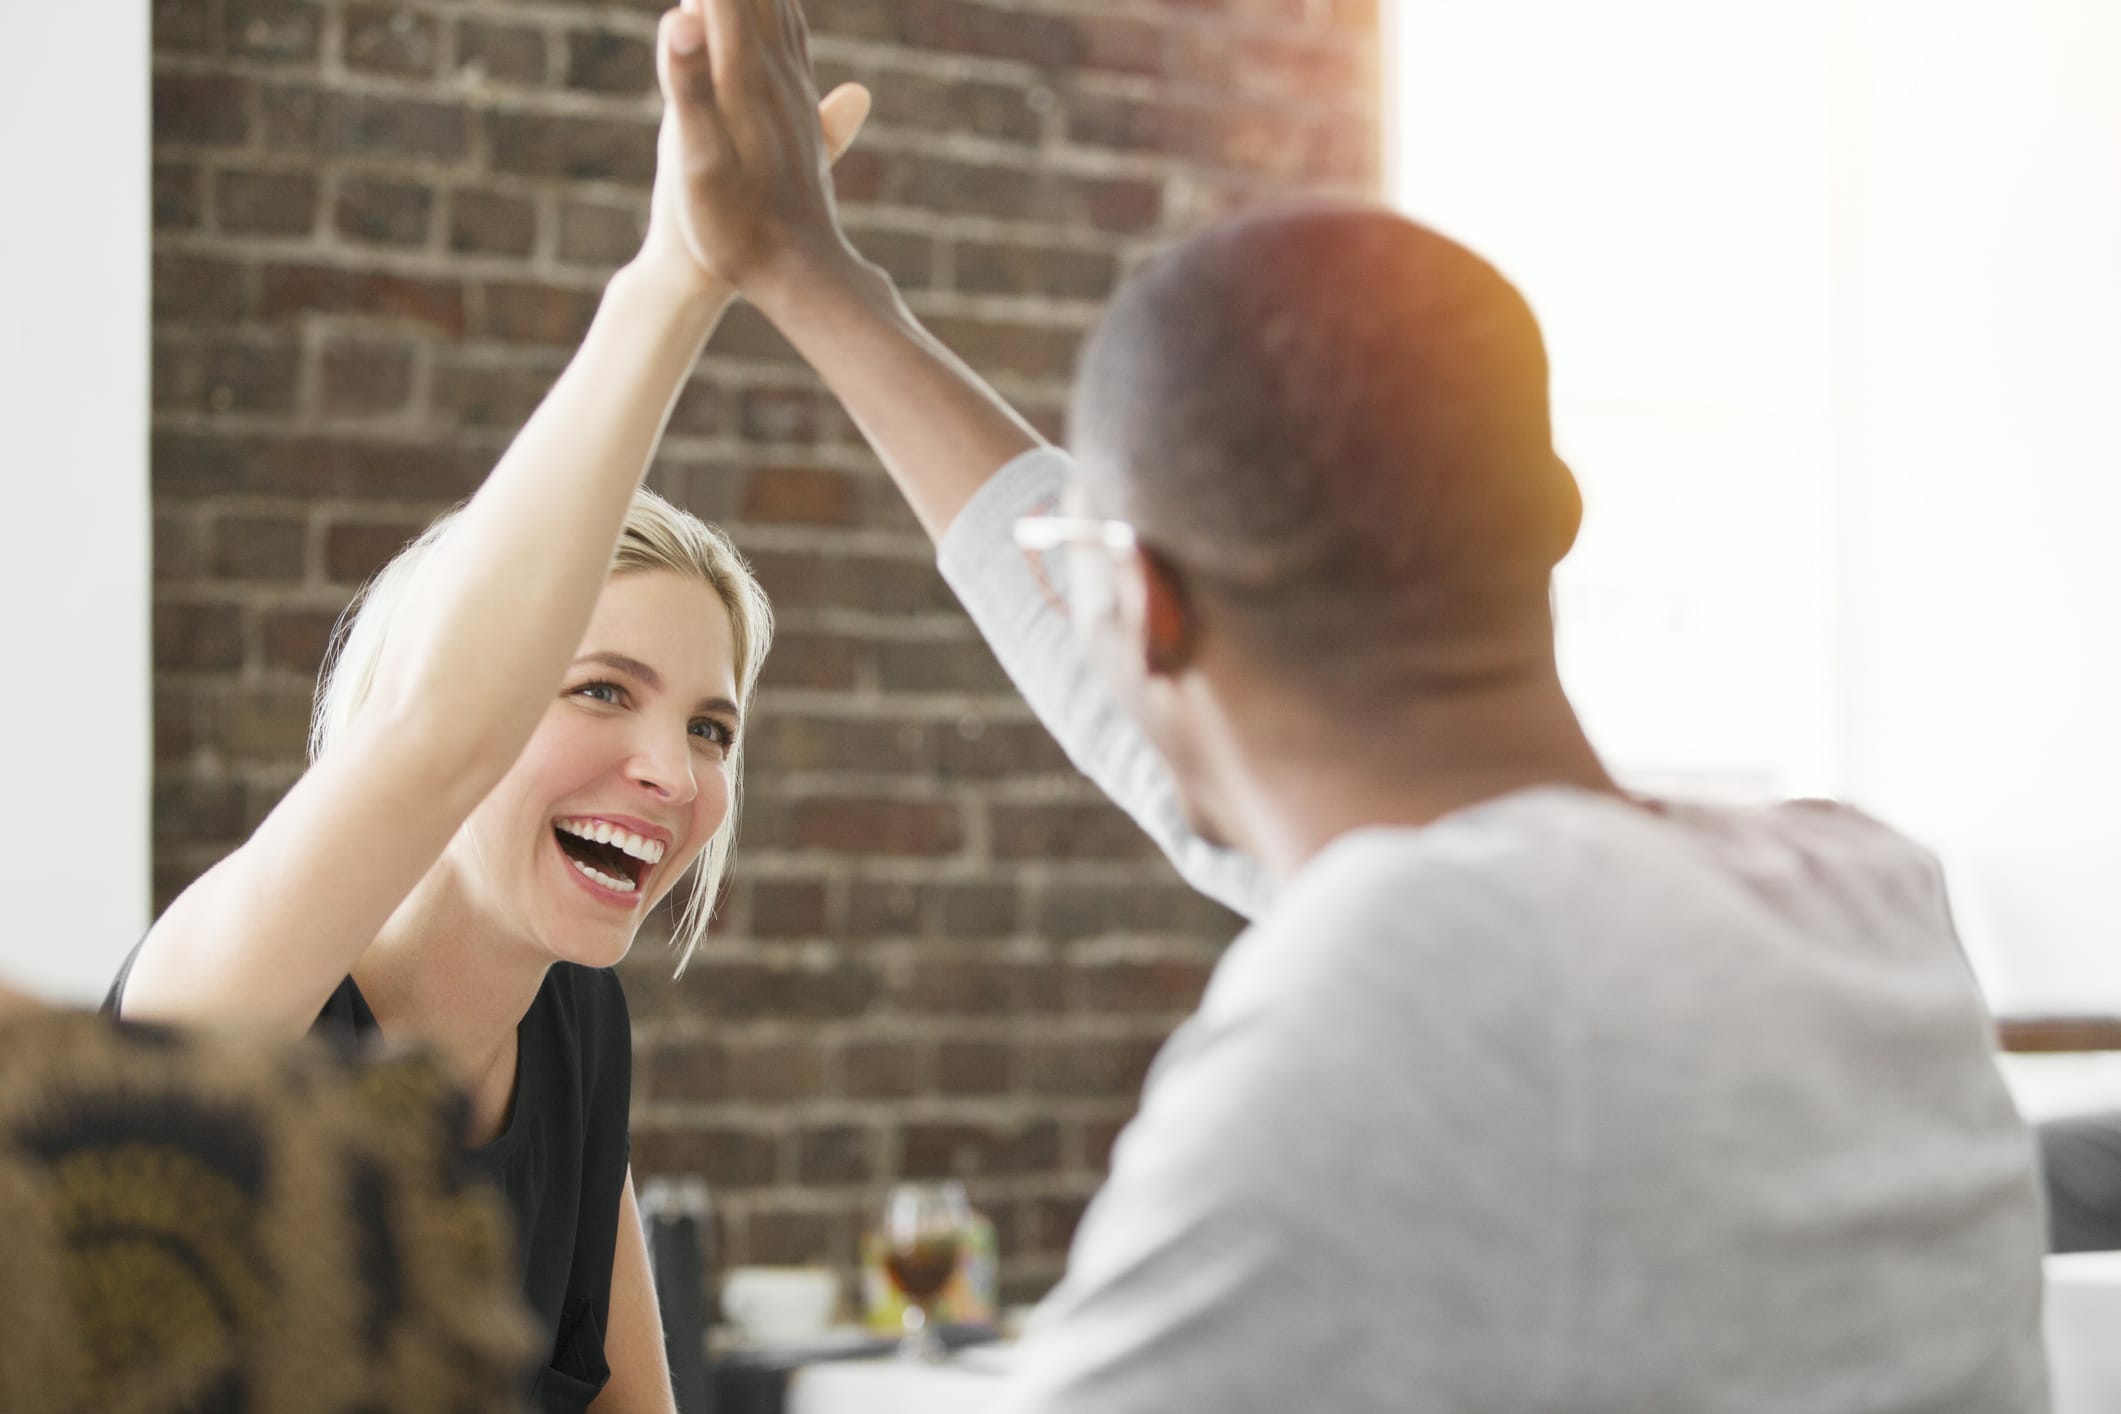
(1408, 765)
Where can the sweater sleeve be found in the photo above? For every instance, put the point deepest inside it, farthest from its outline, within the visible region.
(1029, 631)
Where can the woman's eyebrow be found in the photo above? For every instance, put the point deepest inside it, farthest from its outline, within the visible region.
(652, 680)
(632, 667)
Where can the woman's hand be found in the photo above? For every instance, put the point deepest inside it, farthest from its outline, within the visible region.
(688, 235)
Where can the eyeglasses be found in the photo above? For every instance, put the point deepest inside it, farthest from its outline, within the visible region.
(1047, 538)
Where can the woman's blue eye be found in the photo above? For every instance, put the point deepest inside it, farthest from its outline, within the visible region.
(600, 691)
(717, 733)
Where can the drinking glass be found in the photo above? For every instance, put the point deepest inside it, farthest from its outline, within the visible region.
(923, 1226)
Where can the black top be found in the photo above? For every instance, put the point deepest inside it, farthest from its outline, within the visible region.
(561, 1161)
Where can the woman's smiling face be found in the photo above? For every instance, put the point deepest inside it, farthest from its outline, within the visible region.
(625, 781)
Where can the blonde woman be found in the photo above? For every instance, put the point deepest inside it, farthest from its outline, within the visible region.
(531, 732)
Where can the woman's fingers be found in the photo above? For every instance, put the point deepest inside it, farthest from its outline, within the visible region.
(841, 115)
(684, 68)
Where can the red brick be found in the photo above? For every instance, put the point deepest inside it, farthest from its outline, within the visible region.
(746, 333)
(183, 27)
(602, 62)
(1021, 268)
(197, 289)
(1172, 986)
(931, 1150)
(266, 203)
(224, 375)
(1125, 205)
(601, 234)
(811, 660)
(977, 749)
(972, 1067)
(1098, 1137)
(776, 1237)
(835, 1154)
(787, 908)
(726, 1158)
(790, 741)
(951, 187)
(787, 495)
(1076, 911)
(385, 39)
(1007, 346)
(388, 213)
(778, 414)
(908, 257)
(203, 109)
(960, 27)
(198, 810)
(295, 639)
(501, 53)
(491, 223)
(178, 203)
(879, 1070)
(982, 987)
(1066, 832)
(998, 111)
(364, 377)
(197, 637)
(976, 910)
(248, 547)
(717, 987)
(536, 314)
(179, 546)
(265, 726)
(174, 737)
(367, 468)
(363, 125)
(354, 550)
(593, 149)
(854, 825)
(775, 1071)
(487, 395)
(284, 30)
(940, 665)
(1083, 1069)
(290, 290)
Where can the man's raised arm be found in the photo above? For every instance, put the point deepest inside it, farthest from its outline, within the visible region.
(761, 214)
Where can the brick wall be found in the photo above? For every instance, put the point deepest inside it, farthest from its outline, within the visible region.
(379, 229)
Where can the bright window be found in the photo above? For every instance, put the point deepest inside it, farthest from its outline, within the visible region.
(1833, 297)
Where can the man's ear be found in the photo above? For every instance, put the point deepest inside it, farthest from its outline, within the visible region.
(1156, 612)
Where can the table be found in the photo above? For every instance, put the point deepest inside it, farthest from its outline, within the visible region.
(892, 1386)
(2083, 1320)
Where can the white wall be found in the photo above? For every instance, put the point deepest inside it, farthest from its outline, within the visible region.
(1834, 299)
(1980, 424)
(74, 528)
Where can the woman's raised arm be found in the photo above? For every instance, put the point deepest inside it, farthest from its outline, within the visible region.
(504, 599)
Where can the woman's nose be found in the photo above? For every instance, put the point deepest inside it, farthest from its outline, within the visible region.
(666, 770)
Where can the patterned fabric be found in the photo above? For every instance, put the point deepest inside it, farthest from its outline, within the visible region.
(206, 1223)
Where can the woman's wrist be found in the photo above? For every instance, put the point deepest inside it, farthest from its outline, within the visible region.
(677, 279)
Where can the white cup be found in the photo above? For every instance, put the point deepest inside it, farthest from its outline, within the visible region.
(780, 1304)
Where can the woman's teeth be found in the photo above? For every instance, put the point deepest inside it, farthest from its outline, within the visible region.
(604, 832)
(624, 886)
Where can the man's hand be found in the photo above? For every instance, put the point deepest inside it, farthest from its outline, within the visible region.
(743, 159)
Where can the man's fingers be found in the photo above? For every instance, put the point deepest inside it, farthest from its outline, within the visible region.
(731, 33)
(841, 115)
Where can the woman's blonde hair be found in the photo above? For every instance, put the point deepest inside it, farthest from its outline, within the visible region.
(657, 536)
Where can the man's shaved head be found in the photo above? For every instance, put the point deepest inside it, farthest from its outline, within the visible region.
(1333, 423)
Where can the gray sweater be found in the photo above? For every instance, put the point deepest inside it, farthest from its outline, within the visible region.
(1559, 1104)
